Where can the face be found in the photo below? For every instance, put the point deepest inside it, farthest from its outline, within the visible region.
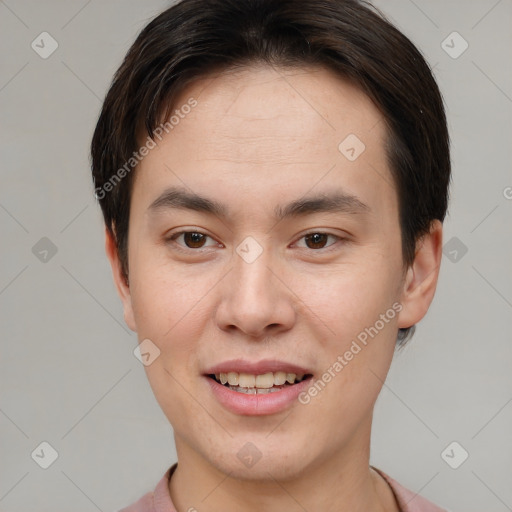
(292, 266)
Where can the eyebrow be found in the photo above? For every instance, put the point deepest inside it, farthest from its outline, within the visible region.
(337, 201)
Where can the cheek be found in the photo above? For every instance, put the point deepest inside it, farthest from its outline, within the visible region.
(170, 309)
(163, 300)
(357, 351)
(348, 298)
(354, 307)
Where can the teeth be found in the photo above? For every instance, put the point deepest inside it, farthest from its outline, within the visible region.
(264, 381)
(279, 378)
(233, 378)
(246, 380)
(254, 391)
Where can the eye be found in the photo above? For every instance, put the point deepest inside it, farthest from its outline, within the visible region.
(192, 239)
(317, 240)
(197, 240)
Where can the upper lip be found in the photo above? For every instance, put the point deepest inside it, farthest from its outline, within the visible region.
(256, 367)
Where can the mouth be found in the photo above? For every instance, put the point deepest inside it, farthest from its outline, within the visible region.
(261, 384)
(256, 388)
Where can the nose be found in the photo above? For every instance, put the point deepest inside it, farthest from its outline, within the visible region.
(254, 299)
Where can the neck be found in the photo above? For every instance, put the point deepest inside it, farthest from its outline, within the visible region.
(341, 481)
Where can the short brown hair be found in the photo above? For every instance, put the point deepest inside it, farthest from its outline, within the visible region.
(352, 38)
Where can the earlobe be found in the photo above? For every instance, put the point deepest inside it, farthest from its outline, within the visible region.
(121, 284)
(421, 279)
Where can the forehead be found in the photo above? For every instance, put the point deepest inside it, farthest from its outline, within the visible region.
(262, 128)
(306, 104)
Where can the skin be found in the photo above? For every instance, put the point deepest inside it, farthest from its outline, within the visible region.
(261, 137)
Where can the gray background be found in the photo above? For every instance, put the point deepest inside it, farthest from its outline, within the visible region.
(67, 369)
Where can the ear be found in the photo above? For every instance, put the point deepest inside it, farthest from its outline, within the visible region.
(421, 279)
(123, 288)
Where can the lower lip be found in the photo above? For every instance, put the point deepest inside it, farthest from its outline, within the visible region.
(256, 405)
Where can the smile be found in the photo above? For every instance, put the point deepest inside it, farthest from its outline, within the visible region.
(250, 384)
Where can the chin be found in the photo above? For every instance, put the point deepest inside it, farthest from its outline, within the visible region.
(257, 458)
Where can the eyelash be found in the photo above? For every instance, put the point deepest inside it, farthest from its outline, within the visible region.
(176, 235)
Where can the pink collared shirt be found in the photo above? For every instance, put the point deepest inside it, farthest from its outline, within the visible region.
(159, 500)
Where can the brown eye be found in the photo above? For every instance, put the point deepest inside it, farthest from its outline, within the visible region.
(191, 239)
(316, 240)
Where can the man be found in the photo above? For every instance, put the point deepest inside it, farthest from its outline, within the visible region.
(273, 176)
